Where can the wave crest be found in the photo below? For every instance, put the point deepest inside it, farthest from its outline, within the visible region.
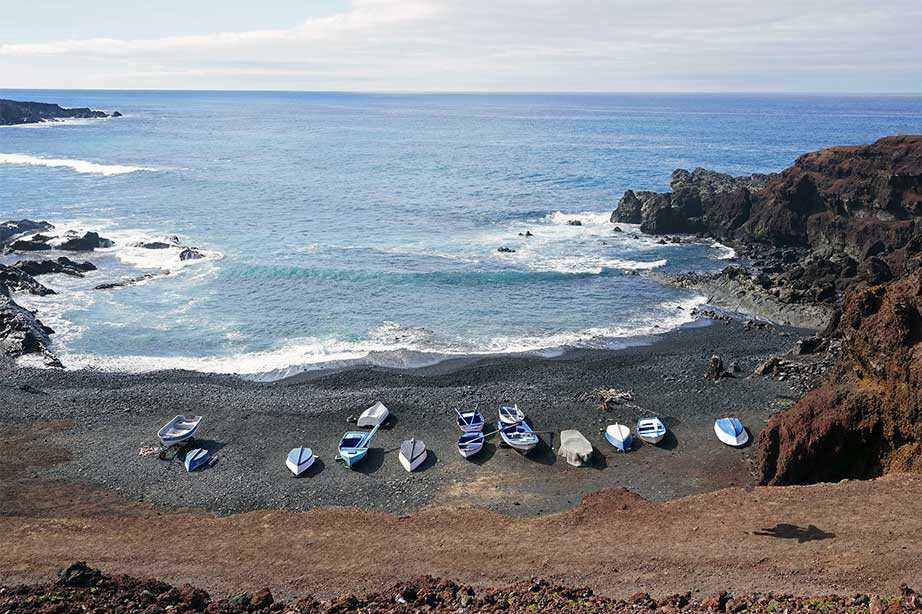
(80, 166)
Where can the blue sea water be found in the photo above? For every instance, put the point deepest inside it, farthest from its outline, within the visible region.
(362, 227)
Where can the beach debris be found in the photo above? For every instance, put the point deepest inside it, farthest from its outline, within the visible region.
(716, 371)
(609, 398)
(147, 451)
(351, 419)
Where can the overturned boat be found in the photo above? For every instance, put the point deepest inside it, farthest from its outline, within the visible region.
(373, 416)
(619, 436)
(731, 432)
(412, 454)
(299, 460)
(196, 458)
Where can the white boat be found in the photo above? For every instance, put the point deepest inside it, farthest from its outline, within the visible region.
(731, 432)
(374, 415)
(575, 448)
(619, 436)
(299, 460)
(519, 437)
(353, 446)
(195, 459)
(178, 429)
(509, 413)
(470, 443)
(651, 430)
(470, 420)
(412, 454)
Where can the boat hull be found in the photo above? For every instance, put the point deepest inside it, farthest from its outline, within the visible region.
(519, 443)
(298, 462)
(620, 440)
(413, 464)
(470, 424)
(196, 459)
(351, 457)
(735, 439)
(470, 446)
(651, 430)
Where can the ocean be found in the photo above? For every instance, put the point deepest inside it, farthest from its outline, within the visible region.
(363, 228)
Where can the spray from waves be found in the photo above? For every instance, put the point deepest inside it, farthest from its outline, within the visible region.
(80, 166)
(593, 265)
(389, 345)
(585, 218)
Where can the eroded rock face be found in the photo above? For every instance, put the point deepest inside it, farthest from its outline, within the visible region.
(868, 419)
(21, 332)
(13, 112)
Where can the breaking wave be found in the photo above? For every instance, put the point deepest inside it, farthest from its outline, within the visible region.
(80, 166)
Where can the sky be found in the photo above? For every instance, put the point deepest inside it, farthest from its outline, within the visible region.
(466, 45)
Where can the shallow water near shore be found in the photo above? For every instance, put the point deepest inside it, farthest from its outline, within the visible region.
(343, 229)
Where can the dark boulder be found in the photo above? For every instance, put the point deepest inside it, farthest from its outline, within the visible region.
(60, 265)
(123, 283)
(21, 332)
(18, 280)
(27, 245)
(574, 223)
(79, 575)
(15, 228)
(505, 250)
(87, 243)
(190, 253)
(875, 271)
(153, 245)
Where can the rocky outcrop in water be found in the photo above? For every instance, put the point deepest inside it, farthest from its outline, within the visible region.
(13, 112)
(85, 243)
(60, 265)
(21, 332)
(12, 229)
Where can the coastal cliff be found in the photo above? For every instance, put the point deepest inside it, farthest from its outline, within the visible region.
(841, 229)
(13, 112)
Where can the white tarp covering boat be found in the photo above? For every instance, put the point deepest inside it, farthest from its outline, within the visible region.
(731, 432)
(619, 436)
(374, 415)
(412, 454)
(575, 448)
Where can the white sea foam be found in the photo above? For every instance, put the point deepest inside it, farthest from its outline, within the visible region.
(80, 166)
(590, 218)
(725, 251)
(389, 345)
(592, 264)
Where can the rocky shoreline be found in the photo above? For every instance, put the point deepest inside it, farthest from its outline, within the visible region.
(15, 113)
(834, 243)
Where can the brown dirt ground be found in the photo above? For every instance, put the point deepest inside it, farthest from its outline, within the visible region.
(843, 538)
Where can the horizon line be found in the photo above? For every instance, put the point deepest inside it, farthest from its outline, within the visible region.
(481, 92)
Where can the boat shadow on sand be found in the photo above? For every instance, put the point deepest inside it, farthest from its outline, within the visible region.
(372, 462)
(316, 467)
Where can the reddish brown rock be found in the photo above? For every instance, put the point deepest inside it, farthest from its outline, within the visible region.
(868, 419)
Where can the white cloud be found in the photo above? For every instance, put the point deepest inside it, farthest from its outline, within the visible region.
(589, 45)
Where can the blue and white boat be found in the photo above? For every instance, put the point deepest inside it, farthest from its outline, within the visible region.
(299, 460)
(519, 437)
(731, 432)
(470, 443)
(196, 458)
(509, 413)
(178, 430)
(619, 436)
(353, 446)
(651, 430)
(470, 420)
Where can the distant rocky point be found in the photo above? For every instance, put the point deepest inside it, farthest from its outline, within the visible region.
(14, 113)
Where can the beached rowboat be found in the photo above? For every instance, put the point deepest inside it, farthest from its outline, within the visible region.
(651, 430)
(470, 443)
(373, 416)
(353, 446)
(299, 460)
(195, 459)
(412, 454)
(509, 413)
(470, 420)
(519, 437)
(619, 436)
(178, 429)
(731, 432)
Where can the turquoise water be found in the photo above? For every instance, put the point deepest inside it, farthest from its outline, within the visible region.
(350, 227)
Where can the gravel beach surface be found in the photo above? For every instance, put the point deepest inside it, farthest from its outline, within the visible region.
(104, 419)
